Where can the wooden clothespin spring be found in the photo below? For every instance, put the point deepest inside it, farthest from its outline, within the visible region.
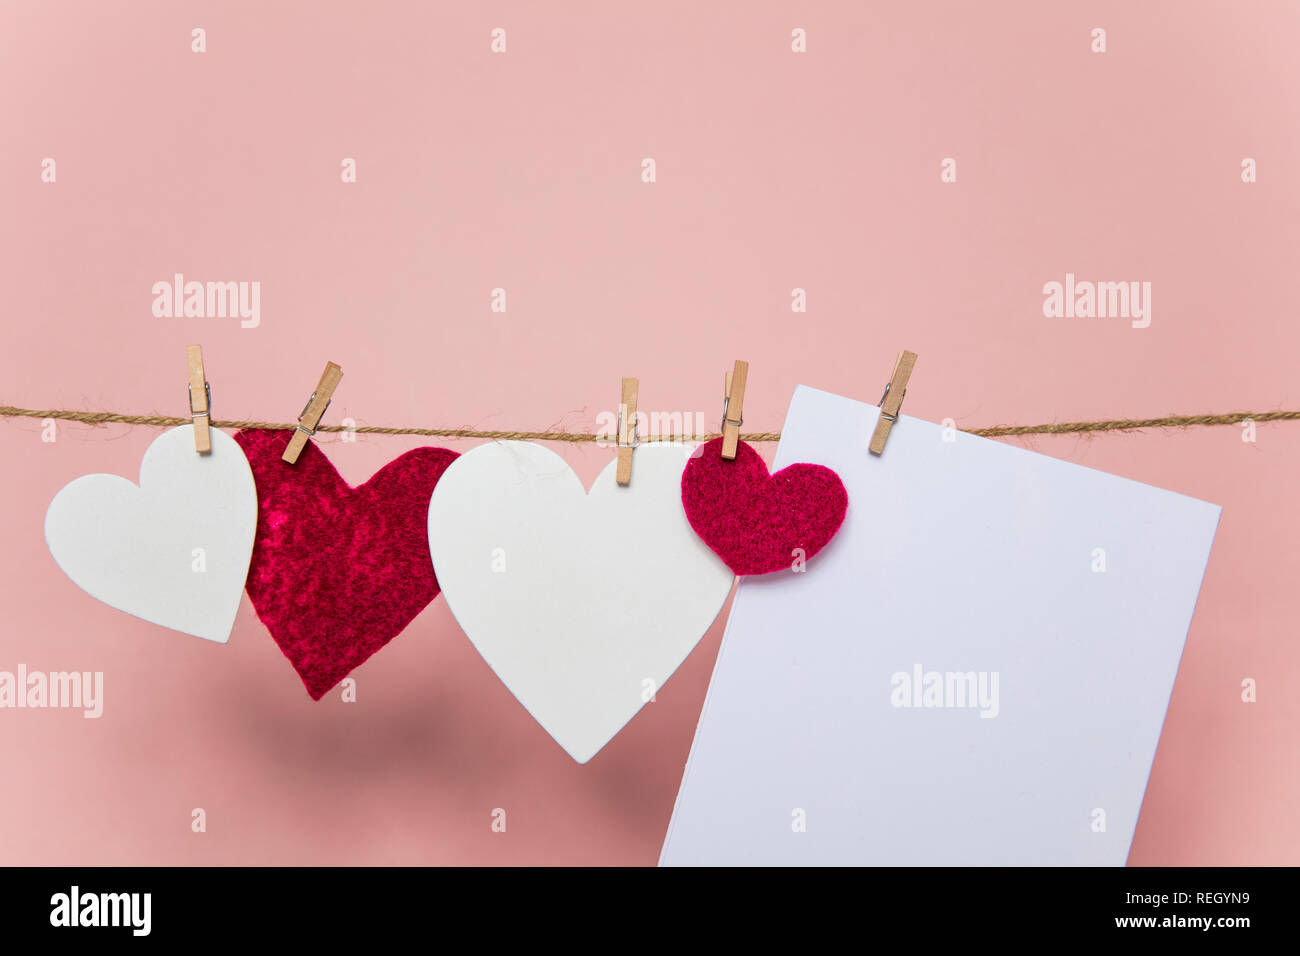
(892, 400)
(627, 434)
(313, 411)
(200, 400)
(733, 407)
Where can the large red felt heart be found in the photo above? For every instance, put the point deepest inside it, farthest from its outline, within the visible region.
(758, 522)
(338, 572)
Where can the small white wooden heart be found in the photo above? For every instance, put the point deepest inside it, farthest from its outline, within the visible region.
(173, 550)
(583, 604)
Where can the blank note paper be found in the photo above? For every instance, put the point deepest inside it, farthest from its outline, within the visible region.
(974, 672)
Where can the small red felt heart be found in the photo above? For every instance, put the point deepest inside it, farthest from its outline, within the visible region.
(338, 572)
(756, 522)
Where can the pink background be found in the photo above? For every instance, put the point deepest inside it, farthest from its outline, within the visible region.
(775, 171)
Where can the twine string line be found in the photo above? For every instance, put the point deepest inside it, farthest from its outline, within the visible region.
(993, 431)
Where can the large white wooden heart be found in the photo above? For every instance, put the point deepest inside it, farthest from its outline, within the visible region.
(583, 604)
(173, 550)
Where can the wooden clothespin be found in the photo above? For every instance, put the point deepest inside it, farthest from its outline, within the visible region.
(627, 437)
(313, 411)
(733, 409)
(892, 400)
(200, 400)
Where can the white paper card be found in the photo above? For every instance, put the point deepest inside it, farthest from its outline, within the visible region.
(1057, 595)
(173, 550)
(583, 604)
